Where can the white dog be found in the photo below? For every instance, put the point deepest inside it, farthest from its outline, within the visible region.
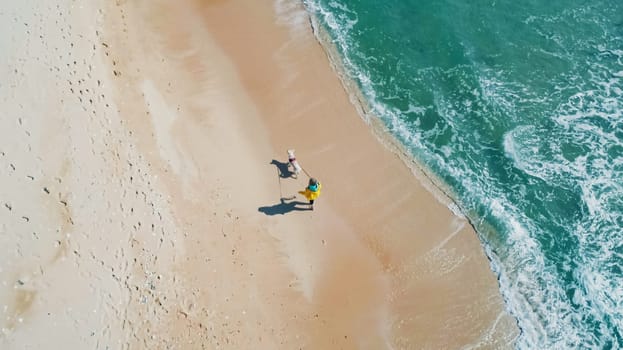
(292, 162)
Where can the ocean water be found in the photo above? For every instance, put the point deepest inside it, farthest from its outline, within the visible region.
(517, 107)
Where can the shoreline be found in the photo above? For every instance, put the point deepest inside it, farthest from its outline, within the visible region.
(428, 179)
(437, 187)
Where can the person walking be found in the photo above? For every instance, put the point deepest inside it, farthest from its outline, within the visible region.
(312, 191)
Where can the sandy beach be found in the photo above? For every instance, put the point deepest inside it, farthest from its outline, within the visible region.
(143, 177)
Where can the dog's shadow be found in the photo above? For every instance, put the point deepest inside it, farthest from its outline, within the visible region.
(284, 170)
(285, 206)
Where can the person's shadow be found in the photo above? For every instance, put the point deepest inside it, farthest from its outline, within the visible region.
(285, 206)
(284, 171)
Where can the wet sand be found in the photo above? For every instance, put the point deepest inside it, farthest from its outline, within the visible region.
(142, 174)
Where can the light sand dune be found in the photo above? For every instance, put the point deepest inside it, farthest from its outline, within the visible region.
(140, 192)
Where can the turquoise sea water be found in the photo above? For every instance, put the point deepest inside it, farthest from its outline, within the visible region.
(518, 107)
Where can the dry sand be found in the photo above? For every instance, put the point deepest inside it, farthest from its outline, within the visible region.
(142, 147)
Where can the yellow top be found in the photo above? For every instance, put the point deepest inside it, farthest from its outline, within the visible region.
(311, 195)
